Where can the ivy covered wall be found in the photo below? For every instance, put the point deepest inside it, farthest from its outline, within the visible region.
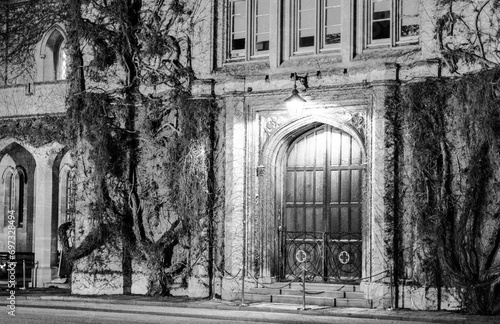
(445, 135)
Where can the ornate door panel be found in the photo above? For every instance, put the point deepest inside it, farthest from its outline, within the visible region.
(323, 199)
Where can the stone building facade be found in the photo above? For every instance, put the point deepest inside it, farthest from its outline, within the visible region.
(315, 181)
(312, 180)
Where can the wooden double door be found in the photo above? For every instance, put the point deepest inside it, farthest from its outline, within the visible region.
(323, 206)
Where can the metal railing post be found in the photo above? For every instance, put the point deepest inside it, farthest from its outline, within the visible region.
(391, 288)
(303, 286)
(24, 274)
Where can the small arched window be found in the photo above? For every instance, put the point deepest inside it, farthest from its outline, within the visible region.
(67, 191)
(54, 56)
(14, 180)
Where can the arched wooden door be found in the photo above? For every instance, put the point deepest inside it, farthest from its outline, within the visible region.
(323, 205)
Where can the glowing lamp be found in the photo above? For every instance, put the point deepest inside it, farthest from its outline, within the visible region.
(295, 103)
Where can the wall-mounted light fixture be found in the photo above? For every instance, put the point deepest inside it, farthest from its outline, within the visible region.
(295, 103)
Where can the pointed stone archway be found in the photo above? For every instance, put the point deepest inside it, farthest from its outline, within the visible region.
(15, 157)
(270, 229)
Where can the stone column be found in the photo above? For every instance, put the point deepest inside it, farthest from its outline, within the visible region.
(42, 218)
(235, 196)
(377, 258)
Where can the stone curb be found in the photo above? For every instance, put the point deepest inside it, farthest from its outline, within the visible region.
(318, 312)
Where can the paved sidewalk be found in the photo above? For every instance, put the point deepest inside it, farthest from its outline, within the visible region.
(59, 298)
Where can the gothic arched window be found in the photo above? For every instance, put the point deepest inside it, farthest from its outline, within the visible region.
(54, 56)
(67, 189)
(13, 180)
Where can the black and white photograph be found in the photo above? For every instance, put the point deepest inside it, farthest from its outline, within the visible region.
(250, 161)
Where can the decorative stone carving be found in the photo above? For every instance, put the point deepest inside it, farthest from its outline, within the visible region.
(358, 121)
(271, 123)
(261, 170)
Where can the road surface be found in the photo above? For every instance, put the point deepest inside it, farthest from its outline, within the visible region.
(77, 315)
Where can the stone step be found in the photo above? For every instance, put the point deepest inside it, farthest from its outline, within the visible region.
(319, 293)
(325, 286)
(322, 301)
(56, 285)
(355, 295)
(314, 293)
(258, 298)
(351, 302)
(313, 286)
(289, 299)
(264, 291)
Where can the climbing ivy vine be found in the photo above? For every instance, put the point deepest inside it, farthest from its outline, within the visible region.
(449, 181)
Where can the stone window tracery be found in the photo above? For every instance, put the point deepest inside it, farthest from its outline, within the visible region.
(54, 56)
(13, 180)
(67, 191)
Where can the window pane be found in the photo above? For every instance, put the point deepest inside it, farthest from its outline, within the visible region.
(290, 219)
(306, 19)
(61, 63)
(334, 220)
(345, 192)
(381, 29)
(310, 219)
(332, 16)
(63, 200)
(410, 7)
(356, 153)
(239, 21)
(309, 186)
(290, 185)
(410, 25)
(335, 186)
(306, 38)
(306, 23)
(335, 158)
(306, 4)
(346, 149)
(262, 7)
(319, 186)
(332, 35)
(7, 196)
(238, 28)
(19, 198)
(344, 220)
(332, 3)
(355, 220)
(381, 22)
(262, 43)
(299, 194)
(238, 42)
(300, 223)
(320, 225)
(355, 185)
(262, 24)
(381, 9)
(239, 7)
(332, 22)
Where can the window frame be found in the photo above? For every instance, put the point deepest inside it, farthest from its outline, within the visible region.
(400, 39)
(395, 26)
(60, 61)
(14, 182)
(67, 192)
(320, 45)
(54, 59)
(249, 51)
